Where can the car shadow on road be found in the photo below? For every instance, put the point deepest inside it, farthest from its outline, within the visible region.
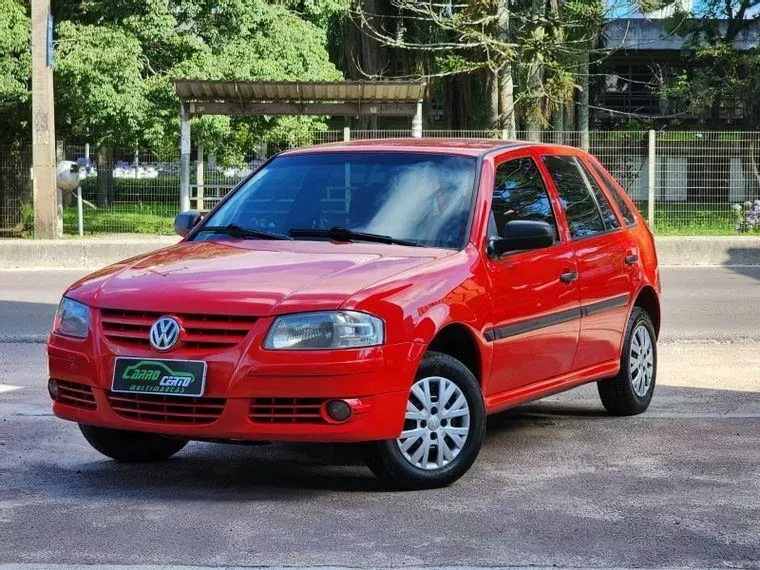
(206, 471)
(261, 472)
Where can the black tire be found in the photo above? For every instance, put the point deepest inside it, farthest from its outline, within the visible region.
(618, 395)
(131, 446)
(386, 460)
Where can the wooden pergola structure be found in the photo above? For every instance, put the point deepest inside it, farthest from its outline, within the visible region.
(246, 98)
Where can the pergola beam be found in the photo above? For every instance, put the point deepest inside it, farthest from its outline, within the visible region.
(276, 108)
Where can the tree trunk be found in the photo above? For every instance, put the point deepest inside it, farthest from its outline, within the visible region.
(535, 77)
(506, 79)
(493, 109)
(105, 177)
(583, 103)
(558, 124)
(507, 103)
(569, 115)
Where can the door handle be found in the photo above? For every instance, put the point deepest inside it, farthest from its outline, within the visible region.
(631, 259)
(568, 276)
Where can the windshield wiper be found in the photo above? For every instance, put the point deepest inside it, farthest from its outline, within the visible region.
(235, 230)
(339, 233)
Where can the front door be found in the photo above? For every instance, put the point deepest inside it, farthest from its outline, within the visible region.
(536, 296)
(603, 251)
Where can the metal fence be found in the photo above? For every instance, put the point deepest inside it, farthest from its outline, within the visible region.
(699, 177)
(123, 191)
(16, 208)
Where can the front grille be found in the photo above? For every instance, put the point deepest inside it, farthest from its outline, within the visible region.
(75, 395)
(167, 409)
(201, 331)
(287, 411)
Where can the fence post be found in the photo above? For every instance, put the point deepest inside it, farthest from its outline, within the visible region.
(80, 212)
(346, 133)
(199, 179)
(184, 159)
(417, 122)
(651, 162)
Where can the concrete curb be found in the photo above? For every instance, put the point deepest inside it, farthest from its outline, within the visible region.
(76, 253)
(94, 253)
(708, 250)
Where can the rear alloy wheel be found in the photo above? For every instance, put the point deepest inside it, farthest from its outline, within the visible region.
(131, 446)
(630, 392)
(444, 425)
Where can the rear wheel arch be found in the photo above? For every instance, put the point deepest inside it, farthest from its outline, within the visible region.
(647, 299)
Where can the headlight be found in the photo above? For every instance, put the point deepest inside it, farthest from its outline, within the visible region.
(72, 319)
(325, 330)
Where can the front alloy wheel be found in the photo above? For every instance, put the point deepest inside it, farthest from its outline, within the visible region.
(443, 430)
(436, 424)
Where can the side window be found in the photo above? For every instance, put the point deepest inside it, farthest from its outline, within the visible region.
(628, 216)
(519, 194)
(608, 214)
(582, 212)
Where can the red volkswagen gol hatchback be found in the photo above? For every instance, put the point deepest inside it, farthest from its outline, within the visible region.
(390, 292)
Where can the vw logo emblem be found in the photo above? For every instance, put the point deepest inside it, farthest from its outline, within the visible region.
(164, 333)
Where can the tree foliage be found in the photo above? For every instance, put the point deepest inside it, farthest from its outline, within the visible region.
(15, 68)
(115, 61)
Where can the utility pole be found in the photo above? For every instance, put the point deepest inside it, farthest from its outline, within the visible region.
(47, 218)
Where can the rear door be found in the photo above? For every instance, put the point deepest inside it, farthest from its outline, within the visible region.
(536, 297)
(604, 252)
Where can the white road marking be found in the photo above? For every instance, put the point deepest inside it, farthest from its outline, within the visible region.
(8, 388)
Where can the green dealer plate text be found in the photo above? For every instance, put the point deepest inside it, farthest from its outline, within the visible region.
(159, 377)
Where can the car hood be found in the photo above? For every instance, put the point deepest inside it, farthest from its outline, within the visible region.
(251, 277)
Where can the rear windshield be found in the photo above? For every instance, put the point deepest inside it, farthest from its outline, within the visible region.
(422, 198)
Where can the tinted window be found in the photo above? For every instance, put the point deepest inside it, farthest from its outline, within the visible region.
(612, 189)
(519, 194)
(608, 214)
(581, 210)
(423, 198)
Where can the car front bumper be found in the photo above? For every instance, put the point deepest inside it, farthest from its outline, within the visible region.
(251, 395)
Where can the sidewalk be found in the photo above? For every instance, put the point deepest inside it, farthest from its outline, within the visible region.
(96, 252)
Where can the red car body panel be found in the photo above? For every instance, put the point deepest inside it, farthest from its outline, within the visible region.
(418, 292)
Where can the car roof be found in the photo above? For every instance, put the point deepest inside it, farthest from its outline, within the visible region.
(456, 146)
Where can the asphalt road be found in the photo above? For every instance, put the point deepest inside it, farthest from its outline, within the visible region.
(558, 482)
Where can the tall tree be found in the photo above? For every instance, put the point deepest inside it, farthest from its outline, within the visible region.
(529, 49)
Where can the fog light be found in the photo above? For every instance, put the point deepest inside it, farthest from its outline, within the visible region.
(338, 410)
(53, 389)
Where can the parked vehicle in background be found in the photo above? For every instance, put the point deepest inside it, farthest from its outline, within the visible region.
(392, 292)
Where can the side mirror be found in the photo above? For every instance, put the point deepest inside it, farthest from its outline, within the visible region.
(520, 235)
(186, 221)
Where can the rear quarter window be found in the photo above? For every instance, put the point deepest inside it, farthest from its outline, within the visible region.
(612, 190)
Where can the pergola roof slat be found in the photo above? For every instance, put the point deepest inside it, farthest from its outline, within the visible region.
(200, 91)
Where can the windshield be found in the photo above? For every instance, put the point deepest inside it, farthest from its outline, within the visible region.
(420, 198)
